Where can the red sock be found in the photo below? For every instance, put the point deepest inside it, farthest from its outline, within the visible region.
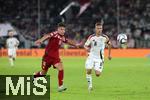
(60, 77)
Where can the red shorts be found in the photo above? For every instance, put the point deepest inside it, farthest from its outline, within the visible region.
(48, 61)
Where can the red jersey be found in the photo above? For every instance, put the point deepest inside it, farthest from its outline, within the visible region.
(54, 43)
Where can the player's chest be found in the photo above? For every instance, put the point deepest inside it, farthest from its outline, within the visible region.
(11, 41)
(57, 40)
(97, 42)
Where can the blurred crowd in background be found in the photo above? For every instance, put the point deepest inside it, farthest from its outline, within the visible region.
(33, 18)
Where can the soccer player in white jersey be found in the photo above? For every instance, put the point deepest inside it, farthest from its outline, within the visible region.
(95, 46)
(12, 45)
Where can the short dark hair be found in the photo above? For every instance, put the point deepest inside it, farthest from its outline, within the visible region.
(98, 23)
(10, 31)
(61, 25)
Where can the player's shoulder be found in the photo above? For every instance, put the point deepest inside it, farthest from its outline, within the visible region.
(105, 36)
(9, 39)
(53, 33)
(14, 38)
(90, 36)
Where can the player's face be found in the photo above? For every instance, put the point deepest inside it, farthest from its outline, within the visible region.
(61, 30)
(11, 34)
(98, 29)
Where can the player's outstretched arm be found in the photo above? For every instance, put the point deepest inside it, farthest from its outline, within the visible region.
(108, 43)
(39, 41)
(109, 50)
(17, 43)
(73, 43)
(87, 45)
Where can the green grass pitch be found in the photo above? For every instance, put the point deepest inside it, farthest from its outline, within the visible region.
(122, 78)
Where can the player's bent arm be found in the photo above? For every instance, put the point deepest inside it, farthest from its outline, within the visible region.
(73, 43)
(39, 41)
(108, 43)
(87, 44)
(45, 37)
(17, 43)
(6, 43)
(87, 48)
(109, 50)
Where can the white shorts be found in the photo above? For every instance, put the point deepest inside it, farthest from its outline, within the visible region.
(12, 53)
(96, 64)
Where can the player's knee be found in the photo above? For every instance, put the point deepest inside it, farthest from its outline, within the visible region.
(98, 74)
(59, 66)
(89, 71)
(10, 57)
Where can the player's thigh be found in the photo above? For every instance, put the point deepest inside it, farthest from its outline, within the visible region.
(58, 64)
(10, 52)
(88, 71)
(89, 63)
(14, 53)
(45, 65)
(98, 66)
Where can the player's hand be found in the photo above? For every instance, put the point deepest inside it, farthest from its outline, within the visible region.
(79, 45)
(88, 49)
(109, 57)
(38, 42)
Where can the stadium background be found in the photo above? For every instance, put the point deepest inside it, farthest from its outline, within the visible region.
(32, 19)
(125, 77)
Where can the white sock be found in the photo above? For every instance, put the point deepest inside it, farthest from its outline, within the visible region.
(11, 61)
(60, 87)
(89, 80)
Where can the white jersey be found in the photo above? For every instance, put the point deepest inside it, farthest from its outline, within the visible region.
(12, 43)
(97, 46)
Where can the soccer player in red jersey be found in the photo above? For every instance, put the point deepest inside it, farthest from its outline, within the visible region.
(51, 56)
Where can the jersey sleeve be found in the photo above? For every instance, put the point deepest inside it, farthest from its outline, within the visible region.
(7, 42)
(65, 40)
(51, 34)
(88, 41)
(17, 41)
(106, 39)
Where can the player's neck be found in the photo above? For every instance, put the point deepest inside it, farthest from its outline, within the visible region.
(97, 34)
(60, 34)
